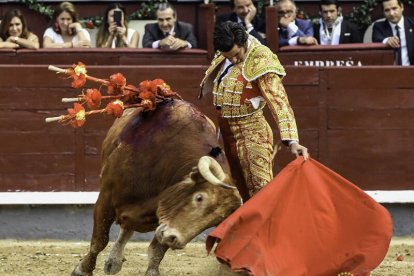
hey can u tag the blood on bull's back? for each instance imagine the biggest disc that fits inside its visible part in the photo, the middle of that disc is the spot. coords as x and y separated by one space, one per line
145 152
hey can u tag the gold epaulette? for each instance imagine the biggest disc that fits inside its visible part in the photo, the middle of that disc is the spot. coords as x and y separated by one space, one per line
261 60
217 60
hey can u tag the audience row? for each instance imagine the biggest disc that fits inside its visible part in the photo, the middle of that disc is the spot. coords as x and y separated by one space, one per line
66 31
168 33
395 30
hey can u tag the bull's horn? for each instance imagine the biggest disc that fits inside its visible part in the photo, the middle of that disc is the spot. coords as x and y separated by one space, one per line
211 170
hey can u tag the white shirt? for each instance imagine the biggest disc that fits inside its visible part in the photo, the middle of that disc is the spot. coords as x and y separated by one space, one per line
156 44
292 29
405 61
57 38
332 38
129 37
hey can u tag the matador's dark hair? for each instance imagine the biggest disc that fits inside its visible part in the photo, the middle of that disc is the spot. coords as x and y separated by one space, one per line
330 2
227 34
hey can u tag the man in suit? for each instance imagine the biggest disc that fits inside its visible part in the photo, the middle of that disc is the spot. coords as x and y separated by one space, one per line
332 29
168 33
396 32
245 12
293 31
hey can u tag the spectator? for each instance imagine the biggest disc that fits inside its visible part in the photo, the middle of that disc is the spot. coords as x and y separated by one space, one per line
292 30
66 30
396 31
168 33
245 12
332 29
14 32
111 35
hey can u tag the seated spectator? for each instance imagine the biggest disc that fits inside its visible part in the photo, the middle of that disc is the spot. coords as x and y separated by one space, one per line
168 33
114 34
396 32
66 30
244 12
332 29
292 30
14 32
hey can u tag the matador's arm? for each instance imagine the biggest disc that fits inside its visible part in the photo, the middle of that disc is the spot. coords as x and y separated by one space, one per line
274 93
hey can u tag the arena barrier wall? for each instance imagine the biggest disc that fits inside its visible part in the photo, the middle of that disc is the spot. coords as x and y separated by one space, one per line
357 121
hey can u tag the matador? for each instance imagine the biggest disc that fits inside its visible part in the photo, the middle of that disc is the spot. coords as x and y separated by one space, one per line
243 81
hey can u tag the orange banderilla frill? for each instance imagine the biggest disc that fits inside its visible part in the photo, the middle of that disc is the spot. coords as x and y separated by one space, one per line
120 94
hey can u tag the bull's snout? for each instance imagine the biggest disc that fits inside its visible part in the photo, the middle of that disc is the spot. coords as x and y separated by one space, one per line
169 236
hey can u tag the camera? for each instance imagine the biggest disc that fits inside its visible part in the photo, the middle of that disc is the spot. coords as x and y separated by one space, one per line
118 17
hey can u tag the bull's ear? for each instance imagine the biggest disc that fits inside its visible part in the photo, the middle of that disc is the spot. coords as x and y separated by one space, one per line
195 175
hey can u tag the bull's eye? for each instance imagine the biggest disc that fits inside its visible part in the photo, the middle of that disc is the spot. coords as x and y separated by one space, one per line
199 198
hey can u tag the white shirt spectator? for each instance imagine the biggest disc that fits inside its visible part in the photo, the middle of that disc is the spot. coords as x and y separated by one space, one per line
57 38
129 37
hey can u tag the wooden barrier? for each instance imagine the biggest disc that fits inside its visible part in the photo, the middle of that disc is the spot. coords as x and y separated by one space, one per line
205 24
340 55
35 156
358 121
100 56
357 54
368 125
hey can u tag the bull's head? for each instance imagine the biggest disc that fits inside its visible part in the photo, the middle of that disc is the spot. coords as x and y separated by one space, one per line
202 200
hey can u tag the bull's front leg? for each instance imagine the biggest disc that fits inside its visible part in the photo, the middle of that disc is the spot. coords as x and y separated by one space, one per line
115 260
104 215
156 252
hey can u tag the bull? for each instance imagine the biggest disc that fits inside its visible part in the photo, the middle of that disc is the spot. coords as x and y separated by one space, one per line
162 171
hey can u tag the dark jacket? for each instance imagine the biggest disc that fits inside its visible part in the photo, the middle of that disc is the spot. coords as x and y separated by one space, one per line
350 33
182 31
382 30
305 29
258 24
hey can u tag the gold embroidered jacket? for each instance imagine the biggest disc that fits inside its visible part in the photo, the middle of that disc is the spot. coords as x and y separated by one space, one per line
258 75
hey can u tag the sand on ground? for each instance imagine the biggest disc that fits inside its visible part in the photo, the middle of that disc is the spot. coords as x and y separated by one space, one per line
55 258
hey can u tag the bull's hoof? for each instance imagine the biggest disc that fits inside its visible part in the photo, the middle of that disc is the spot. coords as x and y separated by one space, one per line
152 272
113 265
78 272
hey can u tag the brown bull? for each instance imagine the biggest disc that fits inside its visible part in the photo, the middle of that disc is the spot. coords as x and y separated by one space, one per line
156 176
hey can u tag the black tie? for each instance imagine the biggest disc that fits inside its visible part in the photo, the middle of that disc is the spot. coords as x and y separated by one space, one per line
398 52
224 73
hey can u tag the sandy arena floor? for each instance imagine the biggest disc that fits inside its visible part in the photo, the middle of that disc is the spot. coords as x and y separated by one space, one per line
56 258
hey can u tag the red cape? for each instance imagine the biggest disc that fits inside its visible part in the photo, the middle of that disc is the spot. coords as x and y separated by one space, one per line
307 221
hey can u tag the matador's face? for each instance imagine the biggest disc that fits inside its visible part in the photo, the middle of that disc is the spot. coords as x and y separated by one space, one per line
236 55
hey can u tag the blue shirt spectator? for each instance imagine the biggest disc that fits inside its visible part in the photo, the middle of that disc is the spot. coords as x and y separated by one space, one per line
292 30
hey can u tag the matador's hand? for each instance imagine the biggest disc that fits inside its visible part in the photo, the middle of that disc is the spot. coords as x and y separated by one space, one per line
298 149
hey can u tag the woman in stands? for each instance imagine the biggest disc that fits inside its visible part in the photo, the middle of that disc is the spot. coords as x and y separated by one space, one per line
14 32
114 31
66 31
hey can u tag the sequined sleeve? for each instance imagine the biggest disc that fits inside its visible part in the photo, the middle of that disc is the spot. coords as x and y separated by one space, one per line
274 93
